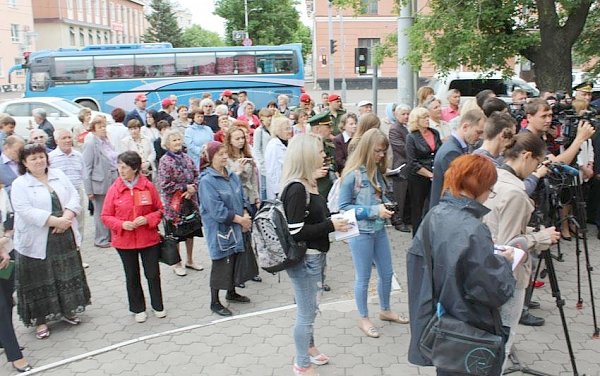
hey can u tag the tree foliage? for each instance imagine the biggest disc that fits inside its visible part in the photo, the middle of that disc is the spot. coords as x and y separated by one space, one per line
587 47
162 24
269 22
196 36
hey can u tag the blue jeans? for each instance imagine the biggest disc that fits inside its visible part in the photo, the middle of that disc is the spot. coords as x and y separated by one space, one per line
306 279
366 249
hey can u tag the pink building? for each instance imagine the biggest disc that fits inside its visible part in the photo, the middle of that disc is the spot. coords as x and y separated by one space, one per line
16 37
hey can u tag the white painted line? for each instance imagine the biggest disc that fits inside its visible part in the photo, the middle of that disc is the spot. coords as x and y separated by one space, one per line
166 333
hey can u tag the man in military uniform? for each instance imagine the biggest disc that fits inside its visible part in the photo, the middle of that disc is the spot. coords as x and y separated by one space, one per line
334 112
321 126
583 92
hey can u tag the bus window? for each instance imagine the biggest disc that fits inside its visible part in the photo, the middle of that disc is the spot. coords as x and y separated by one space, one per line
275 62
226 63
78 68
154 65
113 66
246 63
195 63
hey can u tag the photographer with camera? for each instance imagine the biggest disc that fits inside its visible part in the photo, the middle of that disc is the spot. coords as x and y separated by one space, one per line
511 210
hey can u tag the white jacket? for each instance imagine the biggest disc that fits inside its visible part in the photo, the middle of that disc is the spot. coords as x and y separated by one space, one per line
261 140
33 206
274 156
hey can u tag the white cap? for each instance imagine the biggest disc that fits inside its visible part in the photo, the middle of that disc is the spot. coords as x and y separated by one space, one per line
364 103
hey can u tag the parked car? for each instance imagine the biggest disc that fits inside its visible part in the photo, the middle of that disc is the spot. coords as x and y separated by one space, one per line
62 113
471 83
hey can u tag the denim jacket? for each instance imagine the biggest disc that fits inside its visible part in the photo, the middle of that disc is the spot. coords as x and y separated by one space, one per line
221 199
365 202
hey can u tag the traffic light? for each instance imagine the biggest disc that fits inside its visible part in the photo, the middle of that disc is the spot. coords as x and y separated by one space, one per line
360 59
323 59
332 46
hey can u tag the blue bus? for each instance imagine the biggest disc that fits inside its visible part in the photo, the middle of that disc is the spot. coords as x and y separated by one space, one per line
103 77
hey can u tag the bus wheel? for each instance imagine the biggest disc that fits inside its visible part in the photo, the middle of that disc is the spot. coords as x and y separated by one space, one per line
89 104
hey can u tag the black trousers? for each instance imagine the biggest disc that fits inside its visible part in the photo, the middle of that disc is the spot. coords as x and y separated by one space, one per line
419 189
8 339
131 265
400 186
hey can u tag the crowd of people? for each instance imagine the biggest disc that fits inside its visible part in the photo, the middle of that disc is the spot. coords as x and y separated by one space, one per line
203 170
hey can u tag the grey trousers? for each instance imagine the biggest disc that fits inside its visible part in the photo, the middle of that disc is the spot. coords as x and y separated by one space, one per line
102 236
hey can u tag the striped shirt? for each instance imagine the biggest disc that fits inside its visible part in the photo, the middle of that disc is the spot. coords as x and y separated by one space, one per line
71 164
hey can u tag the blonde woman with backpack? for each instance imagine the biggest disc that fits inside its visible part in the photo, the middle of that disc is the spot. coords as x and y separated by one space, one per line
311 224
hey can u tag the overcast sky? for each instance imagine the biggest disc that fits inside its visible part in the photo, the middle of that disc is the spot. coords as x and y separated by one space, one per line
202 14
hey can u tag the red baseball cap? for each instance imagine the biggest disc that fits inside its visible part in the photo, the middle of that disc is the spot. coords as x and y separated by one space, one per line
166 102
227 93
140 98
333 98
305 98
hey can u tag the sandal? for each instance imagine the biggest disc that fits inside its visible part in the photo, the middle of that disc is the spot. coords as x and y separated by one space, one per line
394 317
42 333
319 359
25 368
194 266
74 320
370 332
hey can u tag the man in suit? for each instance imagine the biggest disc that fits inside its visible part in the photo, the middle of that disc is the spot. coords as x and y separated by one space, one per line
397 136
139 112
468 132
9 160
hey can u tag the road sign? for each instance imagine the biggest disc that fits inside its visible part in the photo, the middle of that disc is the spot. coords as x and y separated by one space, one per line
238 35
247 42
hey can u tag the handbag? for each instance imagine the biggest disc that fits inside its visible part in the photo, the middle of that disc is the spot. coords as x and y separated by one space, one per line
169 250
188 221
245 267
453 345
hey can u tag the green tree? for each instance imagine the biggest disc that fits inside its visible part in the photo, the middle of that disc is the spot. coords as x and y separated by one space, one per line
162 24
303 35
269 22
486 34
196 36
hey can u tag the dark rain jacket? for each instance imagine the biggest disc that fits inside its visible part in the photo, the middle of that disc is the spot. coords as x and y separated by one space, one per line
470 281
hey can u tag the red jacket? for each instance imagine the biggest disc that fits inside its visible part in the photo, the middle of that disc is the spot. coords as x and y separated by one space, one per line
123 204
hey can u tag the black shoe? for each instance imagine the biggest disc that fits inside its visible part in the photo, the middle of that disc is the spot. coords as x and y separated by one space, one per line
326 287
241 285
26 368
528 319
402 228
533 305
257 278
567 238
237 298
220 310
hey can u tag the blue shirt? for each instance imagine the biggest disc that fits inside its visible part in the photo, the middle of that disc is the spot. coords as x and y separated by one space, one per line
196 136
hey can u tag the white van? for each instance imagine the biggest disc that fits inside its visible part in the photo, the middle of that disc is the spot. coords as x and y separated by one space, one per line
471 83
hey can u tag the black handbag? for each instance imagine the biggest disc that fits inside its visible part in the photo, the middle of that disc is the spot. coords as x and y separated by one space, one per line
245 267
453 345
189 220
169 250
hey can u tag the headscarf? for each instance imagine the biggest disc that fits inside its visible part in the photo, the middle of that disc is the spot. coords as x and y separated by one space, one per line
208 152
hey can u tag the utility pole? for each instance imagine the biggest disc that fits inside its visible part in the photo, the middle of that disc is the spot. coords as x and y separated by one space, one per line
329 53
406 77
343 38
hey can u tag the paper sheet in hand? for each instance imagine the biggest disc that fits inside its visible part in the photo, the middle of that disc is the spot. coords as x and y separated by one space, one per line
518 255
350 215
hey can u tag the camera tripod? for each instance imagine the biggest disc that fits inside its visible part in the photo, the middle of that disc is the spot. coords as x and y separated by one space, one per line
549 209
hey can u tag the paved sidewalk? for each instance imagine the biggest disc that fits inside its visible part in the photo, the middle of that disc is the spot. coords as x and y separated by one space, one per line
258 340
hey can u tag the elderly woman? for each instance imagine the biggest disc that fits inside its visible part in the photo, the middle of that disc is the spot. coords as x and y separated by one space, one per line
38 136
470 281
133 212
421 145
225 217
434 106
8 338
51 283
249 117
281 132
39 117
178 183
100 170
81 130
210 118
182 121
141 144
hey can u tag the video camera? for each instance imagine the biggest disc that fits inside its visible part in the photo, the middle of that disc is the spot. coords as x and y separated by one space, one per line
569 121
517 111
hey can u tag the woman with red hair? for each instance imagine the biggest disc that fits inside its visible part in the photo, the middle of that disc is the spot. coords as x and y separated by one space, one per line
469 280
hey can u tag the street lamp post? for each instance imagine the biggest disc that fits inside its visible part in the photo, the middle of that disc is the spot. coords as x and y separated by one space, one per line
246 17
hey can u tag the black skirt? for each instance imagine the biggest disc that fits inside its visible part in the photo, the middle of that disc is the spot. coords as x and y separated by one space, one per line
169 228
221 273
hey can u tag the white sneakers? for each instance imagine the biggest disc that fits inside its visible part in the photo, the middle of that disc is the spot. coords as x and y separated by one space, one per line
142 316
179 270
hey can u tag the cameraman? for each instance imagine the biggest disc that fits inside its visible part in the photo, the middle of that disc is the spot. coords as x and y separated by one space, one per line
539 117
510 211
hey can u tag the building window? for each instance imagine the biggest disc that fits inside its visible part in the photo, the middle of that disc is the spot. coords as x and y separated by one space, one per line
72 36
369 6
368 43
15 35
12 3
81 37
106 38
19 61
90 36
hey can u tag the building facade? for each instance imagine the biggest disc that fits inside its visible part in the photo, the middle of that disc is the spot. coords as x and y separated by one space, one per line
16 37
352 31
76 23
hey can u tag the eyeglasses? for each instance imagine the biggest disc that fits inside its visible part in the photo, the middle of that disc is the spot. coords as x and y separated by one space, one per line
492 193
